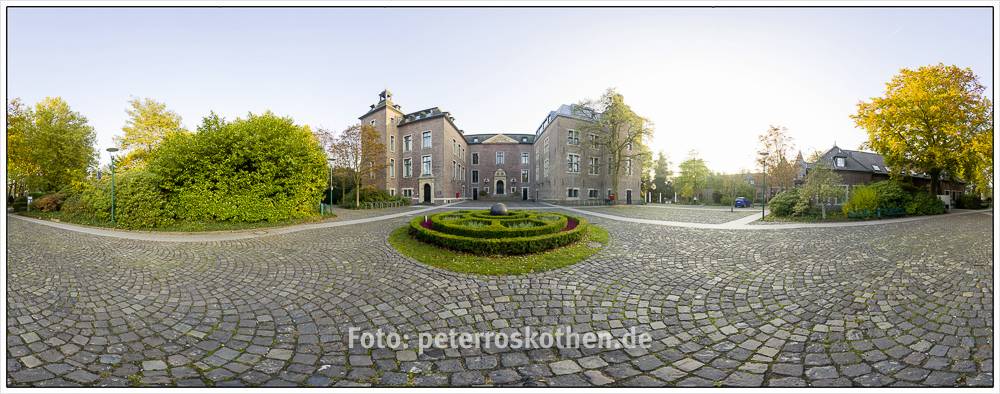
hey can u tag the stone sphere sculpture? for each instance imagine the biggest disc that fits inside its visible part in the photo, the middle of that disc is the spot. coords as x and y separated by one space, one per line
498 209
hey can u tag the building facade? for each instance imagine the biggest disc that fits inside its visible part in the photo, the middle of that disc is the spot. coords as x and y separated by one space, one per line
861 168
430 160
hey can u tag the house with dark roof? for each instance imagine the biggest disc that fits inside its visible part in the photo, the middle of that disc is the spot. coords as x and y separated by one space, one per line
861 168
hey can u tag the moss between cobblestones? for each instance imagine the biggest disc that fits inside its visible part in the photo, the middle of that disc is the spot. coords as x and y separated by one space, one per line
498 265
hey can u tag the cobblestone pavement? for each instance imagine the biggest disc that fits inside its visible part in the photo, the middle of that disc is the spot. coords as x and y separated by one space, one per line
888 305
353 214
690 215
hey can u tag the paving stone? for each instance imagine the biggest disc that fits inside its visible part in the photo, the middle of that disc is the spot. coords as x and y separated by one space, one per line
816 373
154 365
564 367
723 311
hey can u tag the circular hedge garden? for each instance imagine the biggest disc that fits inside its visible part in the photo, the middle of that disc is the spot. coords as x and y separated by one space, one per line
479 232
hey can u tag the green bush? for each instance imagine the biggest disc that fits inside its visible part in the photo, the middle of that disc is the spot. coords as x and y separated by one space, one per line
262 168
969 201
19 204
803 207
480 224
863 201
371 194
139 201
925 204
497 246
783 203
891 194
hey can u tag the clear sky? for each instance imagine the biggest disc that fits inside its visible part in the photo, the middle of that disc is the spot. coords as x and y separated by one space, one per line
711 79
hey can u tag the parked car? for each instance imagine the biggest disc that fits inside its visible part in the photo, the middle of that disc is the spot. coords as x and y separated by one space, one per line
742 202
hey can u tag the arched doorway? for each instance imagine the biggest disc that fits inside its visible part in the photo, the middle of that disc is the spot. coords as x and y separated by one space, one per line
427 192
499 175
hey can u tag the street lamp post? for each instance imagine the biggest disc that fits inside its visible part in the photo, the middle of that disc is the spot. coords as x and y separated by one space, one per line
763 192
331 182
111 152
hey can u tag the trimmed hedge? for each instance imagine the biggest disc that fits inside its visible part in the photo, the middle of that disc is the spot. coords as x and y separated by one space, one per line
498 227
498 246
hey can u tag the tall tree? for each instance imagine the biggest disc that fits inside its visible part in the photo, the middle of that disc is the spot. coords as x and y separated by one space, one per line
821 184
360 150
149 122
693 176
662 173
52 146
19 164
621 133
929 120
777 145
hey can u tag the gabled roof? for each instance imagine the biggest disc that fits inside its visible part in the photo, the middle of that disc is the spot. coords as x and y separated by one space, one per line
854 161
474 139
861 161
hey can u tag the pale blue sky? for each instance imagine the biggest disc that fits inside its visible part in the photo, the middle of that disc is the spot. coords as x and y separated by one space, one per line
710 79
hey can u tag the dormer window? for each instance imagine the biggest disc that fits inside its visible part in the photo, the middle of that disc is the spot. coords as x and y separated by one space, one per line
875 167
475 139
840 162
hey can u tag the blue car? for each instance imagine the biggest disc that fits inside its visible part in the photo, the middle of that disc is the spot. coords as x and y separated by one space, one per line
742 202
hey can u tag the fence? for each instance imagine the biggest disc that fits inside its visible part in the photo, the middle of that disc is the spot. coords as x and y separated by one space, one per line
380 204
593 202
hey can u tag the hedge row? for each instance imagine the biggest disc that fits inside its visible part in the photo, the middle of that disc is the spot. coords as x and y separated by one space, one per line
498 226
498 246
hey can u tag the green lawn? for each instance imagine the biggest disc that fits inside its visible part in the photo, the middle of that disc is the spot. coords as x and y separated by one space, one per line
498 265
176 226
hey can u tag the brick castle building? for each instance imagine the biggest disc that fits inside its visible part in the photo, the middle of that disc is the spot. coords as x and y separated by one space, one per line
430 160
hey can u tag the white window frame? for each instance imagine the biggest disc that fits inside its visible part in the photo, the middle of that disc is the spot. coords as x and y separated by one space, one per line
525 158
392 191
572 167
572 137
392 168
525 176
454 170
407 167
426 139
595 166
840 162
593 194
475 176
429 166
408 143
499 158
407 191
475 158
392 143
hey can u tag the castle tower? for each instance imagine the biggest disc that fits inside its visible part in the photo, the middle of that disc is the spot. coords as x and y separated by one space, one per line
384 116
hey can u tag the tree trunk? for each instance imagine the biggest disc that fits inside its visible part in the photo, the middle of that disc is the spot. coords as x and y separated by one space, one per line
935 181
357 192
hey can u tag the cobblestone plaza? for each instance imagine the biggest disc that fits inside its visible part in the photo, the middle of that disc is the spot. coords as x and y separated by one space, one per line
889 304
